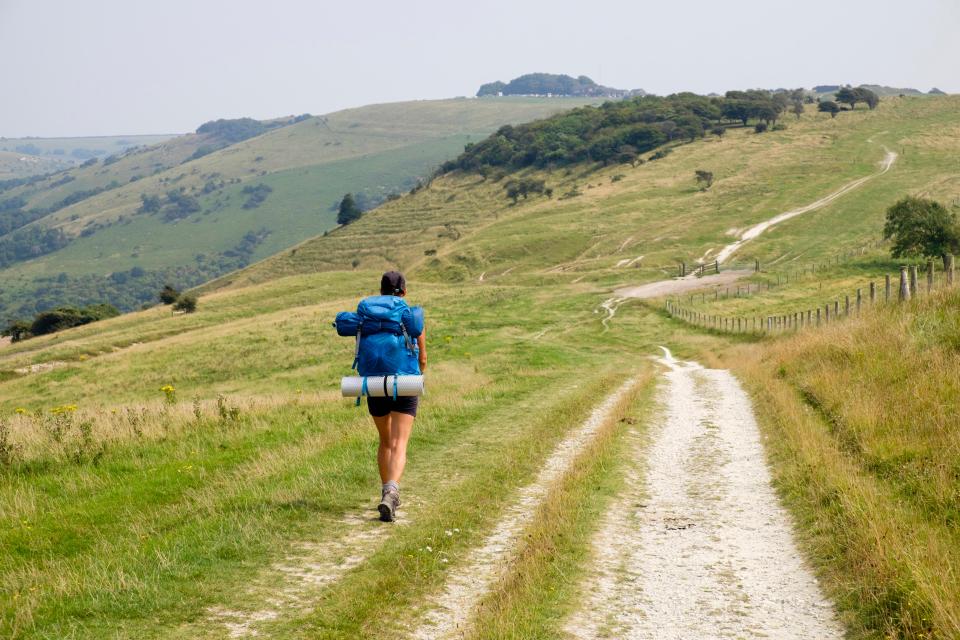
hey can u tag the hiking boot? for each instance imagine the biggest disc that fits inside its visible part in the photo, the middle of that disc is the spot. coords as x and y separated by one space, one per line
388 506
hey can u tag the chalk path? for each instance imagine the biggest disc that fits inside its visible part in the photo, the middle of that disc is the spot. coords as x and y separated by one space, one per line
753 232
450 612
698 546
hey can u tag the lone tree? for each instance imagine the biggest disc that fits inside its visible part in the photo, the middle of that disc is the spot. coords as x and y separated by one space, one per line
17 331
921 227
186 303
850 96
168 295
704 179
797 108
719 131
847 95
829 106
349 211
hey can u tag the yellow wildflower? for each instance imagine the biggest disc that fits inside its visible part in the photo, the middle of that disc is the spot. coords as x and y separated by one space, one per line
20 411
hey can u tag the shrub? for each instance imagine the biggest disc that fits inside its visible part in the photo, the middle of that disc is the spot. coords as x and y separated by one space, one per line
65 317
348 211
17 330
523 187
829 106
186 303
660 154
921 227
256 194
168 295
778 127
760 127
704 179
149 204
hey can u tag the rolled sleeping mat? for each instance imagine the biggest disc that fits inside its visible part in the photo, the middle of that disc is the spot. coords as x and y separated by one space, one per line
381 386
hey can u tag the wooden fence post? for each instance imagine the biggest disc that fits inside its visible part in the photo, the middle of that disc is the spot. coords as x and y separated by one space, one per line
716 265
836 309
948 267
846 306
826 313
929 276
859 300
873 293
913 279
756 266
904 285
818 316
886 291
683 269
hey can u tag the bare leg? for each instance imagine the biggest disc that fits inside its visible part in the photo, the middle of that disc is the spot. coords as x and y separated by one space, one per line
383 451
401 425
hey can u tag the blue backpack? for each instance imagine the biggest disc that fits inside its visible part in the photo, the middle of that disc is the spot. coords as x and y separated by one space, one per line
386 329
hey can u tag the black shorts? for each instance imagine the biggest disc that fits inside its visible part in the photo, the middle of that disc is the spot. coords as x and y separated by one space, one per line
380 407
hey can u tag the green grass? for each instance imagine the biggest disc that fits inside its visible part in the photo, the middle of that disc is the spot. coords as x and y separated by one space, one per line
201 491
106 145
138 523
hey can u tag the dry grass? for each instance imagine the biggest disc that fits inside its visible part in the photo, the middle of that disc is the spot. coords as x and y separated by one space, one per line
863 424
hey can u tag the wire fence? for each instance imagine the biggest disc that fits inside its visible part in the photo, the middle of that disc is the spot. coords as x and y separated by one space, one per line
911 284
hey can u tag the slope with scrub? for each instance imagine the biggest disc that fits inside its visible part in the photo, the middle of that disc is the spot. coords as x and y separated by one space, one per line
304 164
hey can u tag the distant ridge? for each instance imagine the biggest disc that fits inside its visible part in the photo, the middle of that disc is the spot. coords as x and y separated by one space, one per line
879 89
550 84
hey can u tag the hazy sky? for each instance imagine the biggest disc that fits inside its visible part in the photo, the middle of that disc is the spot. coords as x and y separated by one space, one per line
98 67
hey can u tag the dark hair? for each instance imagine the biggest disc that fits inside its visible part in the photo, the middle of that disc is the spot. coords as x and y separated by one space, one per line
393 283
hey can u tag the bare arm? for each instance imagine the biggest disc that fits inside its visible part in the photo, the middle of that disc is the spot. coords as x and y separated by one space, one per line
422 344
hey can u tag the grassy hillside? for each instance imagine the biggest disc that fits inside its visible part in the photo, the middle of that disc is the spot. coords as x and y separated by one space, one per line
76 149
656 210
374 151
19 165
133 512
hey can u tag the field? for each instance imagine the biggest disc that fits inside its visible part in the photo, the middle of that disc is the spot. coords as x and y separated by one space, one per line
19 165
373 151
77 149
242 500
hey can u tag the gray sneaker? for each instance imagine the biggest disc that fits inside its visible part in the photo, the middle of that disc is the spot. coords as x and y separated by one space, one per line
388 506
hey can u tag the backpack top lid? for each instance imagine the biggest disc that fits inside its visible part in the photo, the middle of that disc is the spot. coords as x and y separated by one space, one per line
391 311
382 307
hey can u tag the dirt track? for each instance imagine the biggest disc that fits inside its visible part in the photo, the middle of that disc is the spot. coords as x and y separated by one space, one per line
754 231
450 612
698 545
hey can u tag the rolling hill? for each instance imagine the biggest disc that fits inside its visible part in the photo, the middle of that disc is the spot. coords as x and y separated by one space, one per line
97 241
238 500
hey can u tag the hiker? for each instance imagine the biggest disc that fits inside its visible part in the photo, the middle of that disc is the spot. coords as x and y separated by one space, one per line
390 342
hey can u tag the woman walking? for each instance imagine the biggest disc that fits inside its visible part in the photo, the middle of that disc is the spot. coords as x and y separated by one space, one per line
390 341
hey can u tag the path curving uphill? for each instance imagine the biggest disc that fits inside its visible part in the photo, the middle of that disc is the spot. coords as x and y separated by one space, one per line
752 232
698 545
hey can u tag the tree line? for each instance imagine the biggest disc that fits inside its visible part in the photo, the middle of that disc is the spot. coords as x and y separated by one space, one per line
618 131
